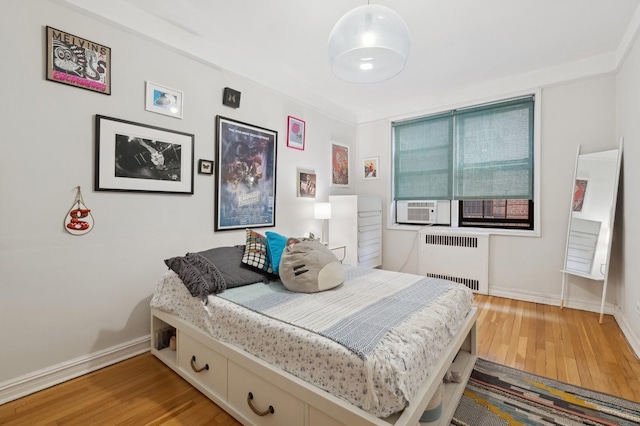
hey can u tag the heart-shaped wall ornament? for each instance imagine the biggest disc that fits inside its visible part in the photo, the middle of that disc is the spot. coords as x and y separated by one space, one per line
78 220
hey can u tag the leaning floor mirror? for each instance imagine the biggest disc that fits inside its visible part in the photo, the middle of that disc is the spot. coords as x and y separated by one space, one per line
591 218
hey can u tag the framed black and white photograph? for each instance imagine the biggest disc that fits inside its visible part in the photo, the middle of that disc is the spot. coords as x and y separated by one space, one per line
163 100
306 183
137 157
205 167
245 174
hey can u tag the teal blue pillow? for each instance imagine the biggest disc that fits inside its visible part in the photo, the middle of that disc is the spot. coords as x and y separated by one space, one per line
275 246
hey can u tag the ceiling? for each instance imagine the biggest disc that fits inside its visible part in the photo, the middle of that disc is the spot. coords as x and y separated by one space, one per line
457 46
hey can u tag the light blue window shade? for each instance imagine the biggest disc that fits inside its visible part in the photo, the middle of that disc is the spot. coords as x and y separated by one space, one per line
494 151
423 158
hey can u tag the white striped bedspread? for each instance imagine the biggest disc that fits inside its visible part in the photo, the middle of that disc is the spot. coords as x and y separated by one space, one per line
380 373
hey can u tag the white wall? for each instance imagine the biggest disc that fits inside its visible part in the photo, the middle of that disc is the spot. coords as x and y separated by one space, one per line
628 244
528 268
66 297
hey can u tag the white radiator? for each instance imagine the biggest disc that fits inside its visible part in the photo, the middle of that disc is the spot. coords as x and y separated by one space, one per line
463 258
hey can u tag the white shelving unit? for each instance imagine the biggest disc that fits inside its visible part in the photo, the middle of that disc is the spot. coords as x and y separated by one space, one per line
356 223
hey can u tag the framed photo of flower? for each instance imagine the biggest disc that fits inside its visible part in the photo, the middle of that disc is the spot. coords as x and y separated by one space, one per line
295 133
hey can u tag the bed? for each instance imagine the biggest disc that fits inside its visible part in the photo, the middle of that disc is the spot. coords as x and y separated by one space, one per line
274 357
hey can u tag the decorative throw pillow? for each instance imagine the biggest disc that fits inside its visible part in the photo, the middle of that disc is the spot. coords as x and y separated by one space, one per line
275 245
255 252
310 267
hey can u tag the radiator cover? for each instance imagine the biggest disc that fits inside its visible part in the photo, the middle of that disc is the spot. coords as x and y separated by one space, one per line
463 258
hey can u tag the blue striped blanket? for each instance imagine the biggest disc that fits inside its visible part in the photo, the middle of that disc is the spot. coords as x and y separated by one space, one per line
357 314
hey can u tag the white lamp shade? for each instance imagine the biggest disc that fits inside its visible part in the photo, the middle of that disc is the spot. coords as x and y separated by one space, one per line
369 44
322 210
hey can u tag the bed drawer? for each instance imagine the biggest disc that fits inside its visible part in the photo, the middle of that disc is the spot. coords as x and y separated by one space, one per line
204 365
287 410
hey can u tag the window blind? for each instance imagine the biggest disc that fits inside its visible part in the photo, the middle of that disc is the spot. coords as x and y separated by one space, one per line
494 151
423 158
483 152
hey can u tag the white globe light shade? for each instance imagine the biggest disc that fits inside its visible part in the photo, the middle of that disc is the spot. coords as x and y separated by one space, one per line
369 44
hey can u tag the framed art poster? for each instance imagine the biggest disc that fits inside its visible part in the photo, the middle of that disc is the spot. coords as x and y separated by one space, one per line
295 133
163 100
339 164
138 157
245 175
579 191
370 168
306 183
78 62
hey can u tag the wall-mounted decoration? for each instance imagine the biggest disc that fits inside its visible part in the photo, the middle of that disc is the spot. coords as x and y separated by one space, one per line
339 165
295 133
163 100
138 157
78 220
306 183
231 98
205 167
245 174
579 191
78 62
370 168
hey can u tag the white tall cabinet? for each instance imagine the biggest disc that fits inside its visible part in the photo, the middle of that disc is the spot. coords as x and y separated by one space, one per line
356 223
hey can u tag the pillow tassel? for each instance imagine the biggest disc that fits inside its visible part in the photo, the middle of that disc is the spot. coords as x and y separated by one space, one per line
208 268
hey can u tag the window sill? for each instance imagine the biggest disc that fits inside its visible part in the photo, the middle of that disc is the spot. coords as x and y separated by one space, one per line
466 230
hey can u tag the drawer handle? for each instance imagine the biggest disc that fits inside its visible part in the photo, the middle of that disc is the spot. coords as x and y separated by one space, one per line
195 368
269 410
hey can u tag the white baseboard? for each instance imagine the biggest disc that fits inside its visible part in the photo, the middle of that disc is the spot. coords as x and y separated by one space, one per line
29 383
634 341
547 299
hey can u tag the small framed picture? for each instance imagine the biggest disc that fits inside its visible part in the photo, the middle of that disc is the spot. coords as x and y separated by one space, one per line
205 167
163 100
306 183
370 168
579 191
339 165
295 133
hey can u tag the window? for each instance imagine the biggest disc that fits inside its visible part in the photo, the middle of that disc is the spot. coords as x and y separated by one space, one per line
481 157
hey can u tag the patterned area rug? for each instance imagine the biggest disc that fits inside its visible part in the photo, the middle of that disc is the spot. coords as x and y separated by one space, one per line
499 395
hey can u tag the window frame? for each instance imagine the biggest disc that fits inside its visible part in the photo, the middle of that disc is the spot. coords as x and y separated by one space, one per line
454 227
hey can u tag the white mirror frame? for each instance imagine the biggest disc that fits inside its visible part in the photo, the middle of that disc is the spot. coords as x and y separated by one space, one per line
590 227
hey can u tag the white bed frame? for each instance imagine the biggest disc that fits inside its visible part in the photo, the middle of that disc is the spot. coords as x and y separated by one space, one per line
258 393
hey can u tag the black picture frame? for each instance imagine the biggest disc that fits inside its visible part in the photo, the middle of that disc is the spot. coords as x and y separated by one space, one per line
205 167
142 158
231 97
78 62
246 157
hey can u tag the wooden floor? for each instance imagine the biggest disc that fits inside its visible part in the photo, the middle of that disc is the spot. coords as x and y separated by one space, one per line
566 345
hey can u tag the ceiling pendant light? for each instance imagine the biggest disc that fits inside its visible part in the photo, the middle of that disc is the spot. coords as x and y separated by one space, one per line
369 44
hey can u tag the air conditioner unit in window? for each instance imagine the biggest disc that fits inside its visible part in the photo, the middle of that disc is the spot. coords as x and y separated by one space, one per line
423 212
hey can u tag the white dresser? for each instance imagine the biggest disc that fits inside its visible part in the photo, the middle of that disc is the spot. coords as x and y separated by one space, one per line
356 223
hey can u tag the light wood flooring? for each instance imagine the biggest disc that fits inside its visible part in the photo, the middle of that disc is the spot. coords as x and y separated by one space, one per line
566 345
